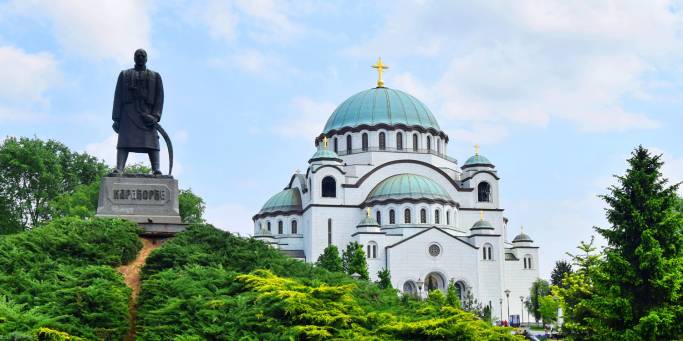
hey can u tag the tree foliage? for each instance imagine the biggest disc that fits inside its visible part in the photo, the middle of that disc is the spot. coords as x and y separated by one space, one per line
548 307
562 267
539 288
33 172
207 284
384 281
191 207
330 260
58 281
353 260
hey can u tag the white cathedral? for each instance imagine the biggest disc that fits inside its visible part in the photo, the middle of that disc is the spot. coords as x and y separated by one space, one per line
381 177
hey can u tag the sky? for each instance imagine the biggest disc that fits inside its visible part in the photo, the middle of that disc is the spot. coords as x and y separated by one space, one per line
557 93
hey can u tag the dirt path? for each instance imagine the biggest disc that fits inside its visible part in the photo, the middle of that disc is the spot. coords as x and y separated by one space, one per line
131 275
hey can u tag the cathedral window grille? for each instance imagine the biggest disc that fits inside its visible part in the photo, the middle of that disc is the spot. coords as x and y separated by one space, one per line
382 141
379 217
487 252
429 143
279 227
364 140
423 216
294 227
437 217
269 226
392 217
415 139
406 216
329 187
484 191
434 250
399 141
334 143
349 146
329 232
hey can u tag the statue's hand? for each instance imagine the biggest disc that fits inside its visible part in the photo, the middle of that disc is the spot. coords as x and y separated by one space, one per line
115 126
149 120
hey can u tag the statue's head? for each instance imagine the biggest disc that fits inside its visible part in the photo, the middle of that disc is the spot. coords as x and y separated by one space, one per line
140 57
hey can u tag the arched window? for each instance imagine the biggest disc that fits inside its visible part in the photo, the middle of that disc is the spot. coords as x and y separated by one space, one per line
487 252
438 146
392 217
382 141
269 226
415 138
484 190
527 262
379 218
334 144
280 229
349 146
423 216
409 288
294 227
448 217
437 217
399 141
329 186
372 250
365 142
429 143
406 216
329 232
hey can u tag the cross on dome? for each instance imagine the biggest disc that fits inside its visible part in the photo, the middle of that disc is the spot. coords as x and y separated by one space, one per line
325 141
380 69
481 215
369 211
476 149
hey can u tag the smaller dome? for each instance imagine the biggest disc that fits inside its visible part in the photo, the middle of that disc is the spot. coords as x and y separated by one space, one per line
477 160
368 221
323 154
408 186
287 200
482 225
522 238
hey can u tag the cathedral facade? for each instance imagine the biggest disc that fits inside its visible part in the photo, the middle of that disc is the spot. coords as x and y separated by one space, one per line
381 177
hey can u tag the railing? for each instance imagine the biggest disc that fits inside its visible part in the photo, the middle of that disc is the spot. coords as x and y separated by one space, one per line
343 152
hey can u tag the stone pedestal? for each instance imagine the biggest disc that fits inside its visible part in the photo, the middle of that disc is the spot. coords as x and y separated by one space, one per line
150 201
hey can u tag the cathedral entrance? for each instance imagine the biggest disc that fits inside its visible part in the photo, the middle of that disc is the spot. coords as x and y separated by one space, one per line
434 281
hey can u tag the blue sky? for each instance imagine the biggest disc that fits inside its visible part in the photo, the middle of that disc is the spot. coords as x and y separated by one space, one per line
556 93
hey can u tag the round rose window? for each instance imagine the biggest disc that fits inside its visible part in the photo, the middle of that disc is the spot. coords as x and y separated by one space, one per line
434 250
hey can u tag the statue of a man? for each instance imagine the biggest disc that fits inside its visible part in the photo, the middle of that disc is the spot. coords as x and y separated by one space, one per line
138 102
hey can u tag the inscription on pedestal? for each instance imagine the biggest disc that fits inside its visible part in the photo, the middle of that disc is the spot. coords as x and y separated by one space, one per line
140 199
137 194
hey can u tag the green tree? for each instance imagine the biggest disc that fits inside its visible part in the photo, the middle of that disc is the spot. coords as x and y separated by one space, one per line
82 202
453 295
353 260
640 294
562 267
330 259
191 207
539 288
384 279
548 307
33 172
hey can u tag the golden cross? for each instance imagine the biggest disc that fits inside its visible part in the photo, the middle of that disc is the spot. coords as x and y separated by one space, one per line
380 68
325 142
476 149
369 212
522 228
481 215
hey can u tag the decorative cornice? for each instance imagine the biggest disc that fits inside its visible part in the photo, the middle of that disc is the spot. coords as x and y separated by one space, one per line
326 166
477 165
494 175
381 126
429 229
409 200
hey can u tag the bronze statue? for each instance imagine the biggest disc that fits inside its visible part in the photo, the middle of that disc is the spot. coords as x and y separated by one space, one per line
138 102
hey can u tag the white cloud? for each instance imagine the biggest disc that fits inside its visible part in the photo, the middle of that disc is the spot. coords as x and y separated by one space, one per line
306 120
231 217
106 150
108 29
527 63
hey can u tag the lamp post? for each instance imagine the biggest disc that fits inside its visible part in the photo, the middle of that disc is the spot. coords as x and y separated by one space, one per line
355 275
507 294
420 283
500 300
521 316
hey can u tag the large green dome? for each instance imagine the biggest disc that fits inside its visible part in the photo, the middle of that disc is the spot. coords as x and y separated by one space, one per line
408 186
381 106
287 200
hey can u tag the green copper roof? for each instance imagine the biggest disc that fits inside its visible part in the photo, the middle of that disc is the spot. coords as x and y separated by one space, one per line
287 200
381 105
522 237
368 222
482 225
477 160
323 153
408 186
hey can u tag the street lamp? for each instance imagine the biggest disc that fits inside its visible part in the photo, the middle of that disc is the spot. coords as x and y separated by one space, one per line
521 316
507 294
419 282
355 275
500 300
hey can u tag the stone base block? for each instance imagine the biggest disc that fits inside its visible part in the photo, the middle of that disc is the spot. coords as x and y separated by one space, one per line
144 199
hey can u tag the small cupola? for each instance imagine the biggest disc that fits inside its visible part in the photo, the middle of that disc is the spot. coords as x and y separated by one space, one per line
368 223
522 239
324 155
477 160
482 226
